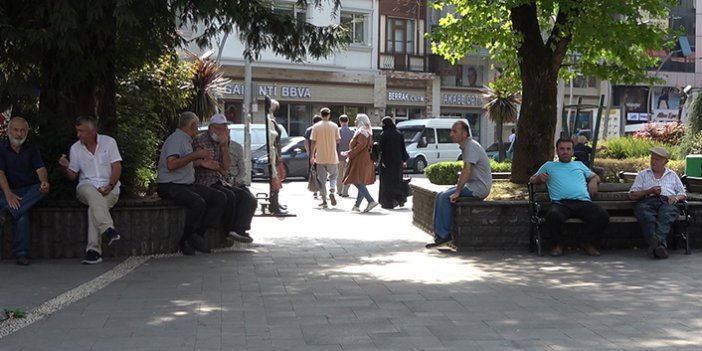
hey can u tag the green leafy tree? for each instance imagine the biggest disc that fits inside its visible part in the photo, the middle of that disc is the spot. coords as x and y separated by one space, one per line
536 41
67 57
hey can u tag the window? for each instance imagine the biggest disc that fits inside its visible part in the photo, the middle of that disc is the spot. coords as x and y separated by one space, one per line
444 136
294 117
429 135
350 111
290 9
358 25
399 36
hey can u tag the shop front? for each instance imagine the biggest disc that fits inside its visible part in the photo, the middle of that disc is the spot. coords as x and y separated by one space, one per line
299 102
404 104
465 104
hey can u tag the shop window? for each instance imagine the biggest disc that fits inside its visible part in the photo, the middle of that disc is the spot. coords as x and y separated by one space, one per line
294 117
350 111
358 25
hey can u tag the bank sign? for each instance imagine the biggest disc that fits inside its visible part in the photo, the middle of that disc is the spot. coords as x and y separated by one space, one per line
462 100
276 91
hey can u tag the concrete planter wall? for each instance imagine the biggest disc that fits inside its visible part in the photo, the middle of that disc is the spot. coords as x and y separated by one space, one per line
147 226
504 225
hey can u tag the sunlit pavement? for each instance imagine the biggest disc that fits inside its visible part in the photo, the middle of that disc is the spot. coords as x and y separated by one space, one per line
329 279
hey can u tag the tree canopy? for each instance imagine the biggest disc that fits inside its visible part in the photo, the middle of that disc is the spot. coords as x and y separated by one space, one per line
538 41
64 58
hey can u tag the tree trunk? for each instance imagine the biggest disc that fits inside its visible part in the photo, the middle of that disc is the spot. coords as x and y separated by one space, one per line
500 147
537 122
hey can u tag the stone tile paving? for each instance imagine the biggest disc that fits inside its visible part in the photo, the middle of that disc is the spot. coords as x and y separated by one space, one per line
332 280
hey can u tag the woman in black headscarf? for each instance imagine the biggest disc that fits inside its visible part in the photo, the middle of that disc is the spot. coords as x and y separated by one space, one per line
393 156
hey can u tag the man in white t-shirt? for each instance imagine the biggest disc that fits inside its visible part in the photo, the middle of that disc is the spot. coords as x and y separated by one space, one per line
325 136
96 163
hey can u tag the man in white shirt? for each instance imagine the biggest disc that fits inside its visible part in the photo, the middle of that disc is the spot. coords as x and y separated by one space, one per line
96 163
325 137
657 189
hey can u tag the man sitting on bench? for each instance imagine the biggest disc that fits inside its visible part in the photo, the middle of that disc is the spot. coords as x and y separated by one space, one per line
657 189
570 186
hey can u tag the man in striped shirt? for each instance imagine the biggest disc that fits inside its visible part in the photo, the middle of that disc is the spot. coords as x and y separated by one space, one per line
657 189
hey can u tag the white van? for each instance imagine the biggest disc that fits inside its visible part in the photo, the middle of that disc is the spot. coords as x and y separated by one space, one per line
258 134
428 141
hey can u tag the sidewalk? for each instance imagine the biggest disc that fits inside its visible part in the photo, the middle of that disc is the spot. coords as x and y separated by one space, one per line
333 280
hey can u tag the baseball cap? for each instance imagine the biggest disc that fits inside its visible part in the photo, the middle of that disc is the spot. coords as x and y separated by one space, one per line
219 119
662 152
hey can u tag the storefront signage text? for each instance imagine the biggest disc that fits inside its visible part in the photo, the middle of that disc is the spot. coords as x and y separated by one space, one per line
462 99
402 96
271 90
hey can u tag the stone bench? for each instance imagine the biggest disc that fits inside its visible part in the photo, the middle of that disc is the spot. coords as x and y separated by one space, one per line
505 225
147 226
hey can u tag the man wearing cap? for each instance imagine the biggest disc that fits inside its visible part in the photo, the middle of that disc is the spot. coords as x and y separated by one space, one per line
176 182
657 189
237 212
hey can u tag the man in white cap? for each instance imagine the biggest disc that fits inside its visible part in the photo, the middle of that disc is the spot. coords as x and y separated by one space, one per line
238 210
657 189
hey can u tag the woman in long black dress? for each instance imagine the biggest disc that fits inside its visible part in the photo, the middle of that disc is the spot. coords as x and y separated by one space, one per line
393 156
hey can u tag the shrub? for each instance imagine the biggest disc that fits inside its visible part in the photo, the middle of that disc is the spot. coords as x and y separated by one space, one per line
691 144
628 147
666 133
446 173
147 110
612 167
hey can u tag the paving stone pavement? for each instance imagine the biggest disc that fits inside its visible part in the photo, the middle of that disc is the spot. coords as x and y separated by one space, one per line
333 280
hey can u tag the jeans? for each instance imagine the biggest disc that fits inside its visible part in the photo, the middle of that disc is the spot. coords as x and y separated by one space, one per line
443 211
594 216
204 205
656 218
30 195
363 193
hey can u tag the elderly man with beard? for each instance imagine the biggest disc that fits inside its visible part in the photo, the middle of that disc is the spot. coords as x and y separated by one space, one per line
238 212
24 181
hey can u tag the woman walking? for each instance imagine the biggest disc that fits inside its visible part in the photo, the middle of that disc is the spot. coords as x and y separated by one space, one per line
361 170
393 156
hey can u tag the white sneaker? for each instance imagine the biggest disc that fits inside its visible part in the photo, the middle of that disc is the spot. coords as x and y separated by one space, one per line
355 209
371 206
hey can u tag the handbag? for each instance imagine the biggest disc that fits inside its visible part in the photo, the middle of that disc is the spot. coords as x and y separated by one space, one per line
375 152
405 186
312 180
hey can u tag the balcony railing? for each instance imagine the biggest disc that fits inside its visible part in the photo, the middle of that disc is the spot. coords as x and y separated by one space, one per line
402 62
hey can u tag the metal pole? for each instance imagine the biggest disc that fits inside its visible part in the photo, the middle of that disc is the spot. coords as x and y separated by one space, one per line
247 114
597 130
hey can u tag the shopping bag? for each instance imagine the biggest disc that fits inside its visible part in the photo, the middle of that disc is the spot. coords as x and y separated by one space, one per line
313 183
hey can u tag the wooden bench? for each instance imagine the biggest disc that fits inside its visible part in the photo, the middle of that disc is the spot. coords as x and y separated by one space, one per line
612 197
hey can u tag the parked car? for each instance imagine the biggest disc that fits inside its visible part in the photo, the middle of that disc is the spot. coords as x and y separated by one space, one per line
493 153
294 157
258 134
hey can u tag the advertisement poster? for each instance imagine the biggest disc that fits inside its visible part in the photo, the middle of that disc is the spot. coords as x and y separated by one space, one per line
665 104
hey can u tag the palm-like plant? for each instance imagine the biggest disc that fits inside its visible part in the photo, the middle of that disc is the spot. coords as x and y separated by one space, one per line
208 83
502 107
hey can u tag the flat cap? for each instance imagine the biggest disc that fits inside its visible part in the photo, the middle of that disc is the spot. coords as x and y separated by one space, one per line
660 151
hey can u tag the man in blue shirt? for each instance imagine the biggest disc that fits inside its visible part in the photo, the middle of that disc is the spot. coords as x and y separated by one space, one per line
24 181
570 186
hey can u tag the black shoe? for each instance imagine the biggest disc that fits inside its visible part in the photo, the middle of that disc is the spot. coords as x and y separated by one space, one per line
332 199
187 248
22 261
199 244
438 242
92 257
242 238
660 252
111 235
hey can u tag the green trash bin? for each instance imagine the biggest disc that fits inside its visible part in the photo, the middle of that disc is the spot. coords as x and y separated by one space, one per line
693 165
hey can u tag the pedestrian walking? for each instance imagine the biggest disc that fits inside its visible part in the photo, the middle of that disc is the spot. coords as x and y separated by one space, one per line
361 169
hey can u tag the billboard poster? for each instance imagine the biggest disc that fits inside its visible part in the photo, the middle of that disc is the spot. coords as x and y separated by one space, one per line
665 103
